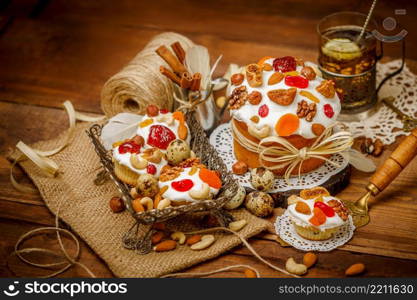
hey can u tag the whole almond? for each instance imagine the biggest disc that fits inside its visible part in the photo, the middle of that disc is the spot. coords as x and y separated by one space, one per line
137 206
138 140
117 205
267 67
317 129
240 167
237 79
308 72
157 237
167 245
193 239
309 259
249 273
355 269
275 78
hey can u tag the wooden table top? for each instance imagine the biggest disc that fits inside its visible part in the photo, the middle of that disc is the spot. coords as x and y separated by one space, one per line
51 51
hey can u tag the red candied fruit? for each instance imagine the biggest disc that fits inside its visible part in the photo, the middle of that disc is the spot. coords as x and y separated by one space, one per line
151 169
160 136
284 64
182 185
328 211
263 111
163 111
296 81
328 110
129 147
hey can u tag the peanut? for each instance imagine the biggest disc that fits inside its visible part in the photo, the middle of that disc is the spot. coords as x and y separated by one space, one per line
237 225
355 269
309 259
167 245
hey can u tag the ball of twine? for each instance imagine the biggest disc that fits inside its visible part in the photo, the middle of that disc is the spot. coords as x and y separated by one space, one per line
140 82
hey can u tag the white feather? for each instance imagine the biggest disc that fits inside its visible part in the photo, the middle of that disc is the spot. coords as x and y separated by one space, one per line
121 126
360 161
197 59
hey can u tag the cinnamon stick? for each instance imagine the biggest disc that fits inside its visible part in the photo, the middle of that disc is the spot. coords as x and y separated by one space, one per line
170 75
186 80
195 84
179 51
171 59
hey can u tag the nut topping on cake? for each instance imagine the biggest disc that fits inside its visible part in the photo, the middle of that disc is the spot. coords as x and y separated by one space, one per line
238 97
255 98
283 96
317 129
305 110
191 162
169 173
339 208
237 79
308 72
326 88
254 75
275 78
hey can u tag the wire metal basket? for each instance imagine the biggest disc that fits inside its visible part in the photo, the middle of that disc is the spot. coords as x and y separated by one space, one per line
208 155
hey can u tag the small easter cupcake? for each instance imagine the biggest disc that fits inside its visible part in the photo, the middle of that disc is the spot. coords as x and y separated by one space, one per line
316 215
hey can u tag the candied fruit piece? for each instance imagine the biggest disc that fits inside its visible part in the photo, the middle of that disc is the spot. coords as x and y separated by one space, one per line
160 136
328 111
302 208
328 211
129 147
285 64
151 169
263 111
145 123
182 185
296 81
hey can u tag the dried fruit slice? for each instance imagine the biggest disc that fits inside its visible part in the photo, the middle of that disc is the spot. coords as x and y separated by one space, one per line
160 136
145 123
275 78
302 208
310 96
292 73
318 218
296 81
326 88
210 177
328 211
285 64
182 185
263 59
287 125
282 96
237 79
263 111
129 147
314 193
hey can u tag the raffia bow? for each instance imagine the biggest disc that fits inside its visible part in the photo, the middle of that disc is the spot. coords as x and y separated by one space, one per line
286 155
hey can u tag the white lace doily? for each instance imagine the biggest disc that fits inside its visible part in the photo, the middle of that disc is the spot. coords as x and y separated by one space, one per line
381 125
222 140
286 231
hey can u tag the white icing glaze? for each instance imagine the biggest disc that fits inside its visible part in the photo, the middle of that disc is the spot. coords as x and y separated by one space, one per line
245 112
124 159
175 195
303 220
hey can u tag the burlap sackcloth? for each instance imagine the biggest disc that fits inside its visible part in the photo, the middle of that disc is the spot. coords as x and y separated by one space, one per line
84 207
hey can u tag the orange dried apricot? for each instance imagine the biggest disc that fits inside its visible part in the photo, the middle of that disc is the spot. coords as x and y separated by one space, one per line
263 59
314 192
287 125
178 115
210 177
320 215
314 221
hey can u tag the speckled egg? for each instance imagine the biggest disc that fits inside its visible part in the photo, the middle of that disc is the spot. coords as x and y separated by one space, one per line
237 199
259 203
261 179
147 185
177 151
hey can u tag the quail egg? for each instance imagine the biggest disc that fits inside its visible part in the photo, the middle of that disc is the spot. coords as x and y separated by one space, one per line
261 179
259 203
177 151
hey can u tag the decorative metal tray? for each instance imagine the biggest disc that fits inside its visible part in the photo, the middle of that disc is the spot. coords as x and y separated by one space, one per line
208 155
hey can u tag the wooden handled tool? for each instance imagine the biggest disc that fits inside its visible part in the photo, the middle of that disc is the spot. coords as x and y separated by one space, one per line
383 176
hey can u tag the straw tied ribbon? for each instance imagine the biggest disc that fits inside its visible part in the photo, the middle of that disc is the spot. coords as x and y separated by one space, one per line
282 153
